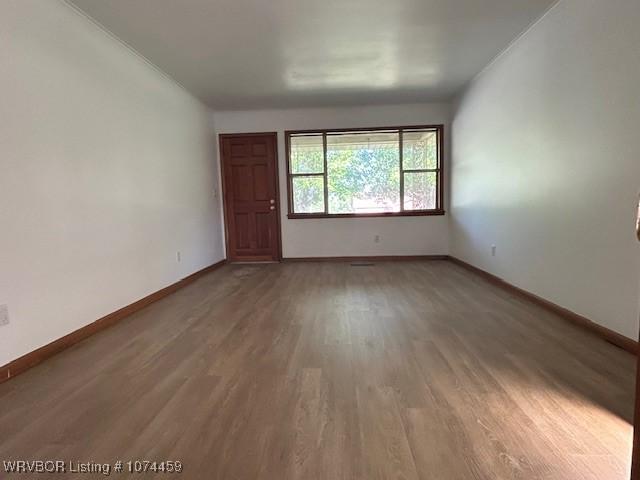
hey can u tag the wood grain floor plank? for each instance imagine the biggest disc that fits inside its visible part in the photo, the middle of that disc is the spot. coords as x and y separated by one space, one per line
323 370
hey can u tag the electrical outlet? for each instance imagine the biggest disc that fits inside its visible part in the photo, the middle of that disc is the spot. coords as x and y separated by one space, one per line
493 250
376 239
178 257
4 315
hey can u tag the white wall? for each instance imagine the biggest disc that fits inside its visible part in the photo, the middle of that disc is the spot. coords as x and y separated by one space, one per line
107 169
347 236
546 162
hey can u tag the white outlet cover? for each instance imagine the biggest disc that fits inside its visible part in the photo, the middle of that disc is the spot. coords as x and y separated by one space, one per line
4 315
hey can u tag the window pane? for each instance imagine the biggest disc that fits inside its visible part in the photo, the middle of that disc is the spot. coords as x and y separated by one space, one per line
419 150
308 194
420 191
363 171
306 154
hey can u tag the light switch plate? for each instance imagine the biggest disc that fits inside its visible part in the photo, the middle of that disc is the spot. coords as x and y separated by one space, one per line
4 315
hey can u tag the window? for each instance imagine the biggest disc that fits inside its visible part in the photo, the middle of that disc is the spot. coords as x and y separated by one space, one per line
358 172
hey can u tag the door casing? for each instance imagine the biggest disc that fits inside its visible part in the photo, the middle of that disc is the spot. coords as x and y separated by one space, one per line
635 458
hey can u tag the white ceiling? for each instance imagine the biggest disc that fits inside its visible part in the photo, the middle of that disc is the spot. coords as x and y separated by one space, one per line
241 54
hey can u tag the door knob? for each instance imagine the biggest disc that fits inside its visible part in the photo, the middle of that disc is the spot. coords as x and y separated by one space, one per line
272 207
272 201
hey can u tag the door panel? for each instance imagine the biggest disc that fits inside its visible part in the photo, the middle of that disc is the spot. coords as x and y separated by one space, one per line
263 229
260 187
241 185
242 230
250 180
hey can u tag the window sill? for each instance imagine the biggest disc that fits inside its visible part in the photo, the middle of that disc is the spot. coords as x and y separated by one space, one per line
415 213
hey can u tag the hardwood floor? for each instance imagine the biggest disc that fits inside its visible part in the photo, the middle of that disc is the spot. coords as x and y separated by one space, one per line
401 370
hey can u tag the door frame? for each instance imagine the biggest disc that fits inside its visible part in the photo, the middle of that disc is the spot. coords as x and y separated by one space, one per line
274 139
635 453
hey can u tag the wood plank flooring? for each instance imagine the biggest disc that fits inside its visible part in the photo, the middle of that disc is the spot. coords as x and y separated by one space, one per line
400 370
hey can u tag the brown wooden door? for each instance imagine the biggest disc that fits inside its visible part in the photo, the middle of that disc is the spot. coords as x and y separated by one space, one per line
250 181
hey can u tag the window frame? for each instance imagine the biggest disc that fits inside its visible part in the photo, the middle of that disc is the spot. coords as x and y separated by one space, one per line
439 210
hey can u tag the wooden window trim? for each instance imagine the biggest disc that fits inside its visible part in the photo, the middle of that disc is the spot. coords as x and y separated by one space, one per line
439 210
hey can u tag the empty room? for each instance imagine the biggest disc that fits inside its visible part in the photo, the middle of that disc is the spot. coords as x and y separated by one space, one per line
332 240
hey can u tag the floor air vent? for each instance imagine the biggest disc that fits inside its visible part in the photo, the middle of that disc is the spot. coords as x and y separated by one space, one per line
362 264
